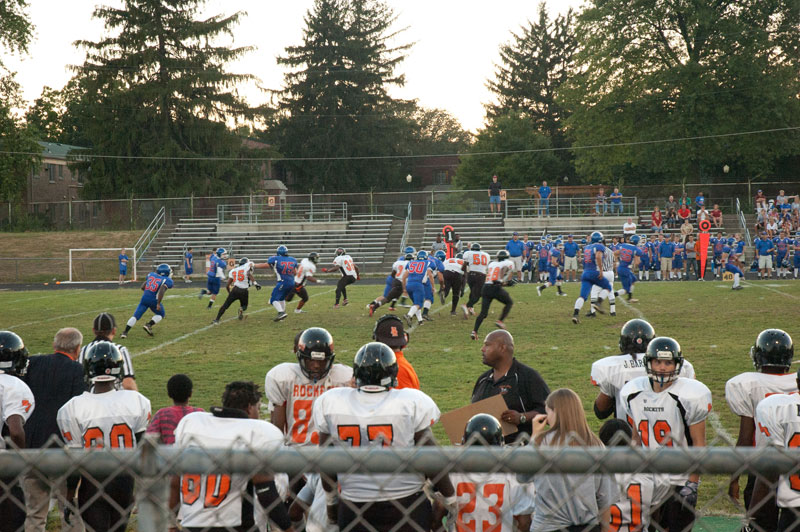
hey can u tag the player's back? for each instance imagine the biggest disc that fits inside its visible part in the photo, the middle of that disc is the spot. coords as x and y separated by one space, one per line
745 391
152 285
216 500
494 271
589 253
454 265
777 424
639 493
626 254
110 419
16 398
476 261
418 271
488 498
399 267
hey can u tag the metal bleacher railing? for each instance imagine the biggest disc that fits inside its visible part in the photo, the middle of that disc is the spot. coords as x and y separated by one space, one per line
282 212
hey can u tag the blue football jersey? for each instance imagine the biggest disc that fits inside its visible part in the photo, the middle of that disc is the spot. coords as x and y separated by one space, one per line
589 252
626 254
152 284
284 266
418 271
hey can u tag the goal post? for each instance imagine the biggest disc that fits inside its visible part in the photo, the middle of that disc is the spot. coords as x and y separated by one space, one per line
99 265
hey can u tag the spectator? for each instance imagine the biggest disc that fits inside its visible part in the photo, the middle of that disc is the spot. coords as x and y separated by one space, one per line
760 200
761 221
516 249
666 250
179 389
629 228
389 330
671 211
686 229
657 221
702 214
438 245
571 258
616 201
780 199
772 227
188 267
544 200
685 201
53 379
104 328
700 200
494 194
716 216
600 202
764 247
568 501
691 257
523 389
684 213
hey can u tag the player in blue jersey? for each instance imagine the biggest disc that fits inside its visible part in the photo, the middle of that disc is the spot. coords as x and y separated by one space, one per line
678 257
437 266
215 274
592 273
717 243
123 265
782 244
644 259
285 268
796 254
729 266
154 286
553 272
188 266
655 257
543 251
630 254
418 273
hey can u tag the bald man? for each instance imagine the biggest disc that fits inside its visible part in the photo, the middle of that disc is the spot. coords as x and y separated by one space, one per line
523 389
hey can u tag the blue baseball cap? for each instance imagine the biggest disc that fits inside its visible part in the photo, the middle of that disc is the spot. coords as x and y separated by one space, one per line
514 234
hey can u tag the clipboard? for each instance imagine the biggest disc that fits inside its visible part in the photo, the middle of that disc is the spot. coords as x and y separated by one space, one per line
455 421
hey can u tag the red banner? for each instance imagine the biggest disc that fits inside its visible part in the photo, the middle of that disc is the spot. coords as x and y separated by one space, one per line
704 226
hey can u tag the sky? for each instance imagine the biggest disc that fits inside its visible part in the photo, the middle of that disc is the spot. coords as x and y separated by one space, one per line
456 45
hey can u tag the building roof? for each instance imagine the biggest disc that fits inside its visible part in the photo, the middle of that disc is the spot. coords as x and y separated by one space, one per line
274 184
56 150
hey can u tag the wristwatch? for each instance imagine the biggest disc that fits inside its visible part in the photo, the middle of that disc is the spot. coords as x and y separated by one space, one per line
522 419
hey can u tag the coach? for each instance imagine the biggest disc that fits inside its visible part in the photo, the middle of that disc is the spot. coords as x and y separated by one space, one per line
523 389
54 379
516 248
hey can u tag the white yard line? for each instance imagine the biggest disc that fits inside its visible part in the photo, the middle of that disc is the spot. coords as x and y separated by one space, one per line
750 283
95 312
60 294
414 327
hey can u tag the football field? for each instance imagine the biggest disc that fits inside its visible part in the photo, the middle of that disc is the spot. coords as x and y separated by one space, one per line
714 325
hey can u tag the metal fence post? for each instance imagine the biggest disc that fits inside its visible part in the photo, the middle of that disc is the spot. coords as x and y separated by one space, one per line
153 489
70 211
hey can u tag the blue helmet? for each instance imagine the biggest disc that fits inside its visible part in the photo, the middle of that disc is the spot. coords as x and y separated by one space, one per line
282 250
549 237
596 237
441 255
635 240
558 243
422 254
221 253
409 256
164 270
583 241
409 249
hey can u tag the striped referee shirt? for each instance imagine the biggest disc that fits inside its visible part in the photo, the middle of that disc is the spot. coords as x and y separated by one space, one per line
608 260
127 367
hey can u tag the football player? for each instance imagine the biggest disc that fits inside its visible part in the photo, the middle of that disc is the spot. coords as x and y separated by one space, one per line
782 260
418 273
215 273
717 243
105 417
475 264
16 406
729 266
772 356
487 497
240 278
436 266
498 273
154 286
629 255
543 253
554 273
611 373
305 273
394 287
667 409
592 275
104 328
344 263
413 252
222 501
284 267
678 258
608 274
453 280
375 411
188 265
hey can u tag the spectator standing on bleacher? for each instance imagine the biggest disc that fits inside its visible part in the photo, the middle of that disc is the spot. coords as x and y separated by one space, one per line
494 194
656 220
671 211
685 200
544 199
629 228
616 201
438 245
600 202
700 200
686 229
457 244
516 248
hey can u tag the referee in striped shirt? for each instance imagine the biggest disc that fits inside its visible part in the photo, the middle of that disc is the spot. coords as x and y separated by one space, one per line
105 328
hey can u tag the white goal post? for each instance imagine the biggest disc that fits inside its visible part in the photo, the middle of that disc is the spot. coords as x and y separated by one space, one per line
105 266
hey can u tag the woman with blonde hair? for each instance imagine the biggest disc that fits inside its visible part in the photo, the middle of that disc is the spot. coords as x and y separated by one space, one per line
568 502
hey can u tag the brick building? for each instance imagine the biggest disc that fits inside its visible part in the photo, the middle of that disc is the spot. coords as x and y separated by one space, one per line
53 180
434 170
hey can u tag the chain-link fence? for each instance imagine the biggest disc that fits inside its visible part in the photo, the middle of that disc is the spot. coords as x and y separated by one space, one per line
494 486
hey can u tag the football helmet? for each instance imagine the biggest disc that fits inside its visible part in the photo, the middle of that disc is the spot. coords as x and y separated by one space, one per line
663 348
422 254
549 237
635 240
313 257
243 261
409 256
441 255
164 270
635 336
13 354
502 255
483 429
596 237
339 252
221 253
459 255
409 249
102 363
475 247
315 344
375 368
773 347
282 251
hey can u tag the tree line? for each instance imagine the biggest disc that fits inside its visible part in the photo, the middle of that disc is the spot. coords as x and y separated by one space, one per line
619 92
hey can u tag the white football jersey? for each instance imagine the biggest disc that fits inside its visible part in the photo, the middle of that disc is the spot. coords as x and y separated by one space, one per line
286 383
16 399
313 494
216 500
778 423
610 374
743 392
306 269
488 501
663 418
391 418
477 261
240 276
639 493
454 265
345 262
493 271
110 419
399 267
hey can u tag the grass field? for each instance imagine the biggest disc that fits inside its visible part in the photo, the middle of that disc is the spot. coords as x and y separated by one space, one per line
714 325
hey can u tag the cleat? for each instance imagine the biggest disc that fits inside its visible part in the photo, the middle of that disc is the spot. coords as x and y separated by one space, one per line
279 317
633 300
613 314
123 335
147 329
590 315
427 318
392 309
453 313
200 295
214 322
344 303
500 324
408 320
575 320
473 335
466 311
188 281
241 314
299 311
562 294
419 323
336 306
539 289
371 309
471 311
737 288
598 309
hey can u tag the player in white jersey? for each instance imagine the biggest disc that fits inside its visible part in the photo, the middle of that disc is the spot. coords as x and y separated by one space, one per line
376 413
453 280
105 417
240 279
611 373
311 499
105 329
772 356
224 501
293 388
16 406
305 274
608 274
666 409
475 264
394 286
487 501
344 263
639 493
498 273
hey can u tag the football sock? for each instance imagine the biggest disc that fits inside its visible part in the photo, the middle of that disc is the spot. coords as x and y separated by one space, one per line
735 280
131 323
425 311
127 328
277 305
413 310
647 275
578 305
155 319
